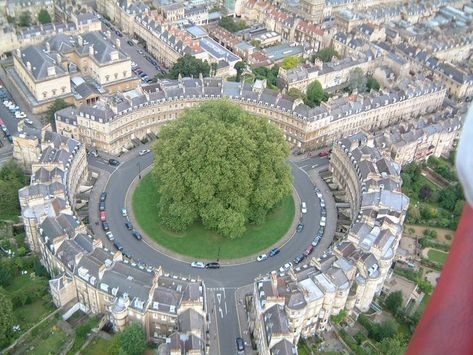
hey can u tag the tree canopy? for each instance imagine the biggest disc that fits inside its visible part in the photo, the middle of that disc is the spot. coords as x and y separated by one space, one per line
231 25
57 105
394 302
25 19
188 65
44 17
270 74
239 67
315 94
6 320
326 54
133 340
221 166
290 62
372 84
12 178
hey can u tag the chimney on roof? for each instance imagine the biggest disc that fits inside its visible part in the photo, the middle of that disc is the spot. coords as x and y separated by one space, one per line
48 47
18 52
91 50
51 71
114 55
80 40
28 66
274 279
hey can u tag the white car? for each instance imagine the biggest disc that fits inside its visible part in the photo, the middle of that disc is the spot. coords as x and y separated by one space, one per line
262 257
110 236
286 267
144 151
20 115
303 207
198 264
124 212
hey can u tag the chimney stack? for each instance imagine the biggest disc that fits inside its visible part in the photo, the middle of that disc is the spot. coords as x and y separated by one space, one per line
28 66
91 50
48 47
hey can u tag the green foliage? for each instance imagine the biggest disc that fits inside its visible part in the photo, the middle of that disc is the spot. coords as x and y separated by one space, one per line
188 65
315 94
25 19
256 43
443 168
450 196
430 233
425 192
290 62
213 69
10 19
231 25
44 17
6 320
57 105
337 319
372 84
394 302
133 340
293 92
268 74
425 286
239 67
393 346
357 80
12 179
326 54
221 166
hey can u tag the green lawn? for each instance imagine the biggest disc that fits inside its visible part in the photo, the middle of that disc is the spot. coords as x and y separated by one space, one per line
437 256
98 346
201 243
52 342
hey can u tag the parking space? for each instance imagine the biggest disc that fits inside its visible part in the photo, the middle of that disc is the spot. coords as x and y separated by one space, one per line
144 62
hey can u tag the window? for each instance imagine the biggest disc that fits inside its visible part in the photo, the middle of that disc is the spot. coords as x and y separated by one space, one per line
115 75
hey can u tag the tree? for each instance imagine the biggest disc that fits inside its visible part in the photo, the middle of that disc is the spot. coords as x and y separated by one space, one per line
231 25
268 74
6 320
189 66
326 54
357 80
221 166
44 17
57 105
293 92
315 94
213 69
372 84
12 179
393 346
425 286
290 62
414 213
133 340
25 19
425 192
239 67
386 329
394 302
340 317
448 198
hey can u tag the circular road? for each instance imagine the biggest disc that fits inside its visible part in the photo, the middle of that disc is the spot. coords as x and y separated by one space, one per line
228 275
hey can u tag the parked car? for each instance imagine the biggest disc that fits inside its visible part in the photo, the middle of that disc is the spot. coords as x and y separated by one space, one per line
212 265
124 212
262 257
110 236
140 51
103 196
316 241
300 228
129 226
303 207
198 264
127 254
105 226
308 250
103 216
137 235
274 252
102 206
118 245
240 344
113 162
130 42
285 267
299 259
323 153
144 151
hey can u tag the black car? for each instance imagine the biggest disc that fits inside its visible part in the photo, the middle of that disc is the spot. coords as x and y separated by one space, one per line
113 162
212 265
274 252
130 43
103 196
126 254
105 226
299 259
240 344
102 206
137 235
129 226
118 245
300 227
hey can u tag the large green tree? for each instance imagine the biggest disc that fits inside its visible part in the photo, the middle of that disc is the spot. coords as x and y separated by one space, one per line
133 340
189 66
57 105
290 62
221 166
231 25
6 318
239 67
12 178
315 94
25 19
44 17
326 54
394 302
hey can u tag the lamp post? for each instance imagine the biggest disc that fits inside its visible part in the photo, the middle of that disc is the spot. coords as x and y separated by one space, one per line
138 164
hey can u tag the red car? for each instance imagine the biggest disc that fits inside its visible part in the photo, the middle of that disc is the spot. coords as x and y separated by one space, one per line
323 153
103 216
308 250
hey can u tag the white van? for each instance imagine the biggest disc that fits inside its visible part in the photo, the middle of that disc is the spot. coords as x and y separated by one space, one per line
303 207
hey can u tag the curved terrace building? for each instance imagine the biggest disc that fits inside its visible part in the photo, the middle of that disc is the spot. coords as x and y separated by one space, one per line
113 122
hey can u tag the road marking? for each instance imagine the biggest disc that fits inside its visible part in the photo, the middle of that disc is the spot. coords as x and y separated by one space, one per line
226 310
303 166
219 297
221 312
314 166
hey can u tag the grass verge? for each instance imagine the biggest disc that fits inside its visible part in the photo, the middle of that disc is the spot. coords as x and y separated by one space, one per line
437 256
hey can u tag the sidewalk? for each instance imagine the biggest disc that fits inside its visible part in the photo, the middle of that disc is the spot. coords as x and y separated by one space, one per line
243 322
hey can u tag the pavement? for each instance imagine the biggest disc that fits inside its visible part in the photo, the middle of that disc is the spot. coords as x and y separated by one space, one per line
225 299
